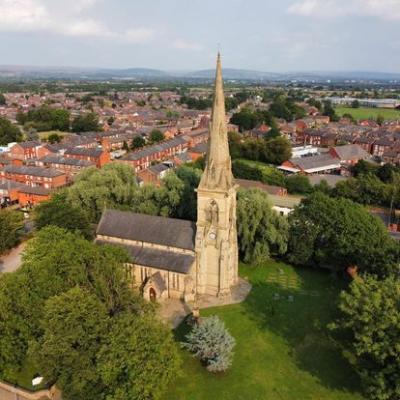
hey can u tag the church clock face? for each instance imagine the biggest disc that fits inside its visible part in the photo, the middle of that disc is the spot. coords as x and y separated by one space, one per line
212 236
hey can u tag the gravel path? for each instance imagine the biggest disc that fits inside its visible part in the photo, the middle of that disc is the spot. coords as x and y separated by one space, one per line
12 261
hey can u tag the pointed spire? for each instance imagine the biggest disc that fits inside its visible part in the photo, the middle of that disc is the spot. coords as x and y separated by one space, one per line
218 174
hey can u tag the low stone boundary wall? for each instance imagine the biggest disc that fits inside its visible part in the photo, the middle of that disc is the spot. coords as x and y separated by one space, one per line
10 392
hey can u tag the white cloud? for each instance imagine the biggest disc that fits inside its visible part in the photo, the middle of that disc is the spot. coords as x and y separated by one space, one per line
20 15
384 9
181 44
36 15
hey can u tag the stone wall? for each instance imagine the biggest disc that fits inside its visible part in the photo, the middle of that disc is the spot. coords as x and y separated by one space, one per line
10 392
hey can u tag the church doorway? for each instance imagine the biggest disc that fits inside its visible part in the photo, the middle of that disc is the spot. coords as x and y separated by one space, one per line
152 295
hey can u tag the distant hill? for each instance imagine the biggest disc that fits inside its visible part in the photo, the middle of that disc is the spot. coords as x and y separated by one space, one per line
232 73
29 72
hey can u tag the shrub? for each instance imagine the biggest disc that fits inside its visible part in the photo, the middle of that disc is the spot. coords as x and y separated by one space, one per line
212 344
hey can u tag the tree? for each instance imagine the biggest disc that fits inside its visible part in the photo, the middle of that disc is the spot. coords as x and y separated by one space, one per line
54 138
125 146
45 118
156 136
245 120
11 224
299 184
74 326
3 100
380 119
277 150
355 104
9 132
61 120
363 167
138 359
137 142
337 233
66 260
210 342
112 186
261 231
329 111
59 212
86 123
370 325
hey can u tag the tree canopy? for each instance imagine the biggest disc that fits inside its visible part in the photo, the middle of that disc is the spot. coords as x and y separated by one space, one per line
8 132
369 324
72 328
11 224
88 122
337 233
261 231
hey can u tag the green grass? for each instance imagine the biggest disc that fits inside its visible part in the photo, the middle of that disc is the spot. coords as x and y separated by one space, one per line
369 113
283 349
45 135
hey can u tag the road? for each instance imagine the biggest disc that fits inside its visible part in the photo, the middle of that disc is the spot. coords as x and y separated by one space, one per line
12 261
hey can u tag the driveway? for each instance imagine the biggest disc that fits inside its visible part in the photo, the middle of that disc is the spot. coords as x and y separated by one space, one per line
11 261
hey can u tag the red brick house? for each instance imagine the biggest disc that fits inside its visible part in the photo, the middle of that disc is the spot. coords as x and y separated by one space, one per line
144 157
30 196
99 157
28 150
47 178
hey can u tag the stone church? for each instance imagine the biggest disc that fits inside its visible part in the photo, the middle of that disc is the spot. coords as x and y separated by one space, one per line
174 258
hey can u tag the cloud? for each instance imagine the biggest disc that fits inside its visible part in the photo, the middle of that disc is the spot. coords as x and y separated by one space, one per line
37 16
182 44
383 9
20 15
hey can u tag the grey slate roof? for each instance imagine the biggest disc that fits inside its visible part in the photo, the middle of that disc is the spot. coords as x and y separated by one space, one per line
81 151
33 171
65 161
319 161
351 151
160 259
148 228
147 151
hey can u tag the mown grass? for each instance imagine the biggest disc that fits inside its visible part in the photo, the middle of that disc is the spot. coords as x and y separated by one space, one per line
368 113
283 351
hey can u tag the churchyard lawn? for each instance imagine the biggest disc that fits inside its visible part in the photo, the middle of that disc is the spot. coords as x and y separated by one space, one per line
283 349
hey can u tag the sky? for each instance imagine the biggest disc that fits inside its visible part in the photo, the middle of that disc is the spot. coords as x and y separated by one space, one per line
265 35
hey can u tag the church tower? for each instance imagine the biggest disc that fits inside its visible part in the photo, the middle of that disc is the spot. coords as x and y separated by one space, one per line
216 238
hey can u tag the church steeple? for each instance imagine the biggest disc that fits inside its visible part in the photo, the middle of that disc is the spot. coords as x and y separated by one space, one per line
218 173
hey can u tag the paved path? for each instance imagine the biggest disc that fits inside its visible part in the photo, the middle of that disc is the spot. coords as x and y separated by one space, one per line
173 311
12 261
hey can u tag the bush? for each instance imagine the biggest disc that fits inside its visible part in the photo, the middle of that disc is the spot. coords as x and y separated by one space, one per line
298 184
212 344
11 224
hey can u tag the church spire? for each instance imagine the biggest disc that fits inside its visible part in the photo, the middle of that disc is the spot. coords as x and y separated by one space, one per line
218 173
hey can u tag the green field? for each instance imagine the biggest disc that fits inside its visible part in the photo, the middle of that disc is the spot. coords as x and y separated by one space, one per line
283 348
368 113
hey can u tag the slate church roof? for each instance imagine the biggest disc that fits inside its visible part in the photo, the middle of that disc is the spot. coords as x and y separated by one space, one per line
155 258
162 231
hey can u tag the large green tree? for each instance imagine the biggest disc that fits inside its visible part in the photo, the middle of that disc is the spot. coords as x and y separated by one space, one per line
86 123
87 331
261 231
370 325
11 224
112 186
60 212
138 359
337 233
9 132
74 326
